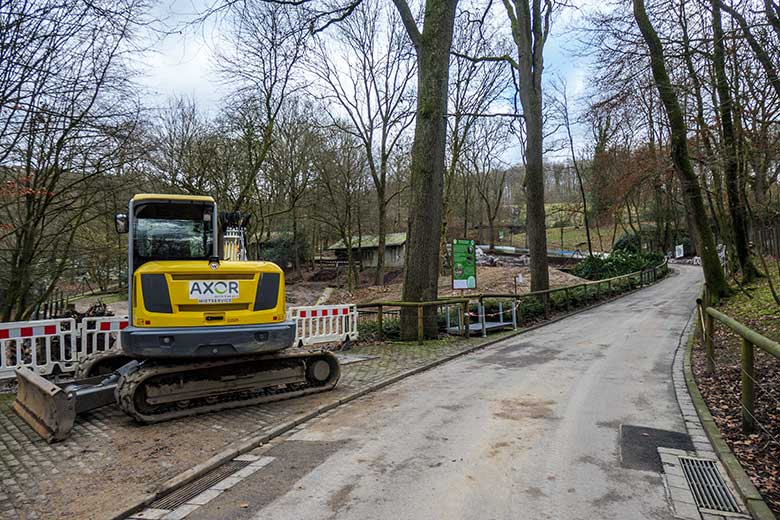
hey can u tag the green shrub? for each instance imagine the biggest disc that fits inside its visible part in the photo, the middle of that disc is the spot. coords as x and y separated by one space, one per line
282 250
618 263
628 242
368 330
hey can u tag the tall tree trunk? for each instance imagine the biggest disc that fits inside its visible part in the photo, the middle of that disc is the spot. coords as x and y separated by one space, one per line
421 276
736 205
481 231
296 266
492 229
530 26
466 192
713 272
534 185
382 239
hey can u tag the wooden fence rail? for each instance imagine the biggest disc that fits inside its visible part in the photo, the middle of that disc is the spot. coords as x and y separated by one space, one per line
592 289
750 339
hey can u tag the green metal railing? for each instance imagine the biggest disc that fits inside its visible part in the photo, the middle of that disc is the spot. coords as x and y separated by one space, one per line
750 339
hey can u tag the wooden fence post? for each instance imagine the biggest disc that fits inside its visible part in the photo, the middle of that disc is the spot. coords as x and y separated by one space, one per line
461 316
709 332
420 329
748 411
466 319
381 323
482 317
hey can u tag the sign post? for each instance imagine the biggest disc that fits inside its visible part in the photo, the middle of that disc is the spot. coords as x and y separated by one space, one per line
464 264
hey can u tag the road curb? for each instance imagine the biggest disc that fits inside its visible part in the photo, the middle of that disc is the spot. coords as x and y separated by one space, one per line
250 443
756 505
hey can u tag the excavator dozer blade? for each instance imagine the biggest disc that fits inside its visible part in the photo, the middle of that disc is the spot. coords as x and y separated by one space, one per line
47 408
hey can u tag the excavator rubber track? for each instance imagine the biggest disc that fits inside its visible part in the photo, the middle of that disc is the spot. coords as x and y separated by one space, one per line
159 391
101 363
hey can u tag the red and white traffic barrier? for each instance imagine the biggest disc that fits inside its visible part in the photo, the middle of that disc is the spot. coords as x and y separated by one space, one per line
47 346
100 334
57 345
324 323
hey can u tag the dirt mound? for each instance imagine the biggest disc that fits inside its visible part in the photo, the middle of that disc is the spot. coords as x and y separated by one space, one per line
489 280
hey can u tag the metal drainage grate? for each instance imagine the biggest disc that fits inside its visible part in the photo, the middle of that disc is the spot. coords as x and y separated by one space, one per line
186 493
707 485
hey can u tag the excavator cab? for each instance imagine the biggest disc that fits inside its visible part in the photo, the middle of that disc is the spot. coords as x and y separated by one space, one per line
185 301
204 333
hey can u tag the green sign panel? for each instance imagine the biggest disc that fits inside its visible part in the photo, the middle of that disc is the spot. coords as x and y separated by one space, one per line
464 264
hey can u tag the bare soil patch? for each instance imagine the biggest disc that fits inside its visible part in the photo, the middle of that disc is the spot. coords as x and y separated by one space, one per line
499 279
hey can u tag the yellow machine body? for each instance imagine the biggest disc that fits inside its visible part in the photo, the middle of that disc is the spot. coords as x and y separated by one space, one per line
194 308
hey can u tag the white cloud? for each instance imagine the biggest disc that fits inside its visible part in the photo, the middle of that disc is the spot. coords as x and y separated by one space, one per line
182 63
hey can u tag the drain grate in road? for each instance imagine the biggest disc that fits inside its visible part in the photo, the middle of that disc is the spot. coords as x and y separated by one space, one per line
186 493
709 489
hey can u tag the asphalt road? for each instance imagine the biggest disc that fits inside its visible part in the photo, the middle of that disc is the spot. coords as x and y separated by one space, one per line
527 429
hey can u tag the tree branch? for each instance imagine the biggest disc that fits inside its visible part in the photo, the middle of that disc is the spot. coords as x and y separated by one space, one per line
408 20
505 58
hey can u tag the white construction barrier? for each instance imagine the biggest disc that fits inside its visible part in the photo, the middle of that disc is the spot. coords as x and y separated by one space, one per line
324 324
100 334
55 346
48 346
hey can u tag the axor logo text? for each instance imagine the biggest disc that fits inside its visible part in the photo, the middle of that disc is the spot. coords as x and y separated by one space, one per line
208 291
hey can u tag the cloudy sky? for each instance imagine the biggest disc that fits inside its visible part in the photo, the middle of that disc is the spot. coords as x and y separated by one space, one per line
183 63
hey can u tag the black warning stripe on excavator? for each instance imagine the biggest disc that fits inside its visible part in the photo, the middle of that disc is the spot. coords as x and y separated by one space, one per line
134 388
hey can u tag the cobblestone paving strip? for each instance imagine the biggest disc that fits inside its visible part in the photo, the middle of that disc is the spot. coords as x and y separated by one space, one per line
109 461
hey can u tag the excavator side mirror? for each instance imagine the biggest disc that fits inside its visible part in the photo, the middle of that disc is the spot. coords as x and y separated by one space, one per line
120 222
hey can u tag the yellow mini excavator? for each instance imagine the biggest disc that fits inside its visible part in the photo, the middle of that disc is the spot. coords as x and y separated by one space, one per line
204 333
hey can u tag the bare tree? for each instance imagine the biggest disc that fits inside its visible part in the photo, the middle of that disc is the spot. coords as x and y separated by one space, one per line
267 43
475 86
71 122
530 26
341 169
291 164
731 164
485 164
762 54
432 45
371 82
713 271
561 102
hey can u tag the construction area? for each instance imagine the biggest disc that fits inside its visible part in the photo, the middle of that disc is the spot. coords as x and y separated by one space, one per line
249 356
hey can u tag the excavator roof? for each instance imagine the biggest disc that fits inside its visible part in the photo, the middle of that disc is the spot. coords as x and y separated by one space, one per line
162 196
